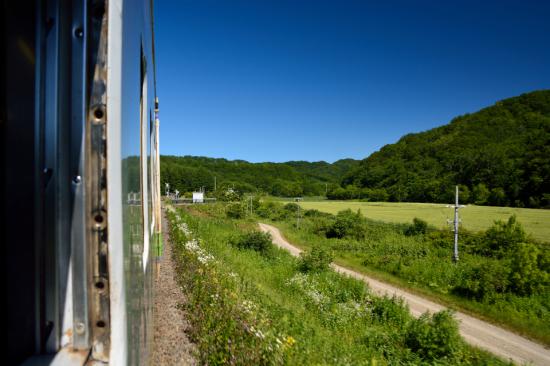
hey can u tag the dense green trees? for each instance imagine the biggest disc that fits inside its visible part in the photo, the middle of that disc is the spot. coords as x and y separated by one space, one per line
295 178
500 156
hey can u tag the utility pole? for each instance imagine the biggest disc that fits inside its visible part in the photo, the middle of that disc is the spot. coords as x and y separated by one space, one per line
214 184
455 222
326 189
251 205
298 217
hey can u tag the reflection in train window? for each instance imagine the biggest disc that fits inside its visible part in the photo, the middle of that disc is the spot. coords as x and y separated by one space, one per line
143 160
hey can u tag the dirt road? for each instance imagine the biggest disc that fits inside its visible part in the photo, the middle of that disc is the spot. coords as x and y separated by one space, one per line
502 343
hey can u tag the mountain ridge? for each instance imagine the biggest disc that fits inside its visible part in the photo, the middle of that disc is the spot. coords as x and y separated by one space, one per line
499 155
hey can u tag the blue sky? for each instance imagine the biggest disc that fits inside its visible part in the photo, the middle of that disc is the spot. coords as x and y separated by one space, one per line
325 80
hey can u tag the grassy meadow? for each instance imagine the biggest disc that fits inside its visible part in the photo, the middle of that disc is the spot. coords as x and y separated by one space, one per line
503 275
252 303
474 218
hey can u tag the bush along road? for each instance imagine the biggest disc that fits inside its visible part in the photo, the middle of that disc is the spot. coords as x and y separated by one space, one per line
498 341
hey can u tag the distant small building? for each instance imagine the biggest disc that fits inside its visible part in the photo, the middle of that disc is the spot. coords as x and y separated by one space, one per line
198 197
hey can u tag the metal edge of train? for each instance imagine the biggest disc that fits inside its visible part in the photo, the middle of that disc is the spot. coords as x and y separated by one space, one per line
85 298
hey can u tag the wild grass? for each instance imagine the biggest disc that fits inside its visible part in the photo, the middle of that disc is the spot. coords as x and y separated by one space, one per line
248 304
423 263
474 218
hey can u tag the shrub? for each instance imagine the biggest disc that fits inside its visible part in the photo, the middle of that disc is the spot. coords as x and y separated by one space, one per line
347 224
526 278
292 207
227 195
438 238
266 209
315 213
274 210
317 259
390 310
433 337
503 236
235 211
484 280
418 227
255 240
544 259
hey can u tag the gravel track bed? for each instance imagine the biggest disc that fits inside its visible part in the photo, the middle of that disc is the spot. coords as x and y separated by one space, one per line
171 345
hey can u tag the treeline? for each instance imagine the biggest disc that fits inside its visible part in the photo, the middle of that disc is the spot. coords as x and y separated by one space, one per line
296 178
499 156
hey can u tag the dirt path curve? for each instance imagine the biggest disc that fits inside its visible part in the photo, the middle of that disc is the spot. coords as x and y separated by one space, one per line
170 345
498 341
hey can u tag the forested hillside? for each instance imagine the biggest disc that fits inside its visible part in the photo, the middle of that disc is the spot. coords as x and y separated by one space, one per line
325 171
295 178
499 155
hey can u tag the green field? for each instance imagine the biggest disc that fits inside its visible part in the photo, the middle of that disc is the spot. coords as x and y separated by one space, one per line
487 281
474 218
251 303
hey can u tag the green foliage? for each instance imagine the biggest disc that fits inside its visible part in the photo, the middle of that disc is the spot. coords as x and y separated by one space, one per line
352 191
481 194
375 194
526 277
227 195
418 227
225 325
498 156
484 280
315 213
318 259
503 236
498 197
275 210
246 309
387 310
235 177
235 210
347 224
339 193
292 207
465 195
434 337
267 209
499 153
254 240
509 285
